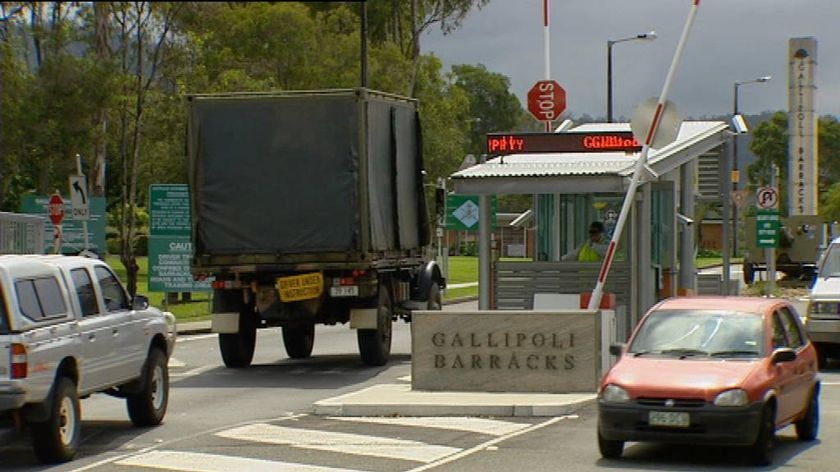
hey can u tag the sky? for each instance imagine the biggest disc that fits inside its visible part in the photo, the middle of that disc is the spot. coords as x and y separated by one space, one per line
731 40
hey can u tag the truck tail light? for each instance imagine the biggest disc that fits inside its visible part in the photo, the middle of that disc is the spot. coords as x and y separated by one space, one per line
19 361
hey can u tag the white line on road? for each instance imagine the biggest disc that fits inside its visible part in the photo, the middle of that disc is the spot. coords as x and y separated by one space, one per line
200 462
489 443
345 443
459 423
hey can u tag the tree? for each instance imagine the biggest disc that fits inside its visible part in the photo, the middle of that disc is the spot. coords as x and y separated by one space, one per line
144 29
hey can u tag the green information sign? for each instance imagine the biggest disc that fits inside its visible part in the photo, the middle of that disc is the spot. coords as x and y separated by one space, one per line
72 230
462 212
767 228
170 240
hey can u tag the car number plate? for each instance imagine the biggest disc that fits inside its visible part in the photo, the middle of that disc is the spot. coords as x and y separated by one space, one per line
671 419
344 291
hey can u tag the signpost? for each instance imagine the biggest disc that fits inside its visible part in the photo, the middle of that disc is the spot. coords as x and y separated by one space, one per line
55 209
767 230
170 240
546 100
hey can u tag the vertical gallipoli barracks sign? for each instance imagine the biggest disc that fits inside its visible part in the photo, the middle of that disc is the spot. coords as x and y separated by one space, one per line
505 351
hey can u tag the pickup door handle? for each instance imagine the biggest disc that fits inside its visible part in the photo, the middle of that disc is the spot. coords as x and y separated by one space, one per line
115 331
91 337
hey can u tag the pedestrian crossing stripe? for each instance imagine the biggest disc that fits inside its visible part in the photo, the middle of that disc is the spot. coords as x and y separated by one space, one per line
201 462
457 423
345 443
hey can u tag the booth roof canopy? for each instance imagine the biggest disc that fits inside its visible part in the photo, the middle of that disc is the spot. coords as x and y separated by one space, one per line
693 139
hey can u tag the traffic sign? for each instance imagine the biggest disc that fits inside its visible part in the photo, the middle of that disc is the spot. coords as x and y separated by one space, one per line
55 209
667 129
463 212
767 228
546 100
79 197
767 197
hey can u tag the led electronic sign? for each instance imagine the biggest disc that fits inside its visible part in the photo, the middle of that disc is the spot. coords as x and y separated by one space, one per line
524 143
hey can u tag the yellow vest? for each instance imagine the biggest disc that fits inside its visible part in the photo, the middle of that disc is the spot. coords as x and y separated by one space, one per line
588 254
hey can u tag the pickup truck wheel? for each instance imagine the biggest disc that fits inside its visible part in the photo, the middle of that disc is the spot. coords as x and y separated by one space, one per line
56 439
238 348
375 344
435 301
148 407
299 340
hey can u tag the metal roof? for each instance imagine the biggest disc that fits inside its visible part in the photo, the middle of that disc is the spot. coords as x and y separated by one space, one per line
585 172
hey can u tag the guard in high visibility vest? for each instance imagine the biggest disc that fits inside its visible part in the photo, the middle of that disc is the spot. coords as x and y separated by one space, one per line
593 249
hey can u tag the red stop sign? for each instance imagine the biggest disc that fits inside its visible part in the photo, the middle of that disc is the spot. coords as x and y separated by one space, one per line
546 100
55 208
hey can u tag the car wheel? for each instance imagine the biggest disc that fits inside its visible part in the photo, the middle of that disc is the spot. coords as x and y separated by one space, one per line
148 407
808 427
375 344
609 448
56 439
761 450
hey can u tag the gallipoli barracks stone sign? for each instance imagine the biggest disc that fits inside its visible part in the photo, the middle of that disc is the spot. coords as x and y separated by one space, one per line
506 351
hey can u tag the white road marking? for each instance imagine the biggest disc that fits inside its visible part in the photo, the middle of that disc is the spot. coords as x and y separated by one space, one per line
340 442
194 337
199 462
489 444
191 373
176 363
459 423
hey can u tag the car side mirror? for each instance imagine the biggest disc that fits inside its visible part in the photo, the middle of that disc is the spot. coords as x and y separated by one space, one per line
140 302
784 354
617 349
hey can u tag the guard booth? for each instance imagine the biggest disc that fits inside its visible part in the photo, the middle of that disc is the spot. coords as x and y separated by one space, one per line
582 175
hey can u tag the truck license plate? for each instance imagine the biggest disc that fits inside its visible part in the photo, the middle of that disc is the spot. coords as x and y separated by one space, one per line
671 419
300 287
344 291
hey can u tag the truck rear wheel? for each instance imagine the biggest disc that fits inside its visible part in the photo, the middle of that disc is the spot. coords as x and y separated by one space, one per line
435 301
238 348
298 340
375 344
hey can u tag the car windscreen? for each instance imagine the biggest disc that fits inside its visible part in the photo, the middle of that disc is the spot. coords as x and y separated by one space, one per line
830 264
691 333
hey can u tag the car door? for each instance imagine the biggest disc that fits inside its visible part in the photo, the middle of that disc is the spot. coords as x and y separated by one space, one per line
785 372
124 334
804 368
97 345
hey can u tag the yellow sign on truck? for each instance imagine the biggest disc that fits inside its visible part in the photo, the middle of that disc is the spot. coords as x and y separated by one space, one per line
300 287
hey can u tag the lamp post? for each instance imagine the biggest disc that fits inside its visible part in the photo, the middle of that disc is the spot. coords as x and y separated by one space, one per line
650 36
735 177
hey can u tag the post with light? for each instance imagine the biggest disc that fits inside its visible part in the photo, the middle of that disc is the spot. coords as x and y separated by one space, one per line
736 176
649 36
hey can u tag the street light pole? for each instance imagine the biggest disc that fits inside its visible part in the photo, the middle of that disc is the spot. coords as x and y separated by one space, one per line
650 36
736 177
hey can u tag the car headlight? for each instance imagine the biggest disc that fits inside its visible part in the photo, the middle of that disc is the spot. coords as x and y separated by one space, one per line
824 308
615 394
735 397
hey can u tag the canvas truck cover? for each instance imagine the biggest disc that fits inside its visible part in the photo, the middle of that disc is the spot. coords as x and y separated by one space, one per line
324 172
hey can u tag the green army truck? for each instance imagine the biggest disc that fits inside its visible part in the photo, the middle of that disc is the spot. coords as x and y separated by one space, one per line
308 208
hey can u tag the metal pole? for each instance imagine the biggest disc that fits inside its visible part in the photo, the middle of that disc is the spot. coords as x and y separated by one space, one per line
735 177
609 82
546 50
725 215
770 252
597 293
84 222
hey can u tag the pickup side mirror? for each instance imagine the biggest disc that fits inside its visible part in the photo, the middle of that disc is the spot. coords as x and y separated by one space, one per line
617 349
784 354
140 302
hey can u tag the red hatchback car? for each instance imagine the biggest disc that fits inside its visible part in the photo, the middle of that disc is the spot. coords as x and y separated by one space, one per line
711 370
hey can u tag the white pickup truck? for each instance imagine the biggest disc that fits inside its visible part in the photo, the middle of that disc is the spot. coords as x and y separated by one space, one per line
69 329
